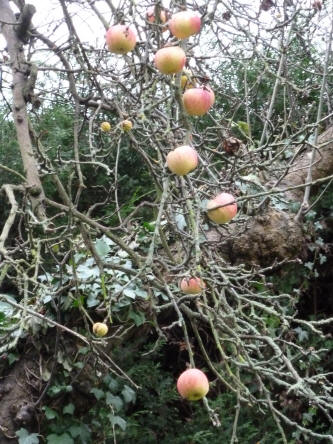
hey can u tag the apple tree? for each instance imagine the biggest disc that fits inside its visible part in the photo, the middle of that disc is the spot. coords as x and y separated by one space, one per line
166 186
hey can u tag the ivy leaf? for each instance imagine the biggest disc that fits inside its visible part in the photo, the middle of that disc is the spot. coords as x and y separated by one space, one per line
115 401
102 248
107 240
5 308
309 265
54 390
111 383
302 334
12 357
68 409
86 272
138 318
81 431
50 413
117 420
180 221
322 259
59 439
129 394
130 293
24 437
99 394
141 293
92 300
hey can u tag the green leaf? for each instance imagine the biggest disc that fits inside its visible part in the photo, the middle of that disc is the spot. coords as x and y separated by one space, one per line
92 300
68 409
138 318
115 401
55 390
84 350
80 431
111 383
86 272
50 413
128 394
102 248
303 335
309 265
117 420
24 437
5 308
130 293
180 221
148 226
99 394
59 439
141 293
12 357
46 374
243 127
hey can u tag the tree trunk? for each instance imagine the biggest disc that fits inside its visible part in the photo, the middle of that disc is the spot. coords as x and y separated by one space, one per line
21 71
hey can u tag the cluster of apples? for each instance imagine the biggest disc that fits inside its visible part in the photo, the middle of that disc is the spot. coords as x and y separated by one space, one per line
169 60
125 125
197 100
192 384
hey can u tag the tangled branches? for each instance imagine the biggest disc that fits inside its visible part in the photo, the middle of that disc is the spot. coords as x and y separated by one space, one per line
109 229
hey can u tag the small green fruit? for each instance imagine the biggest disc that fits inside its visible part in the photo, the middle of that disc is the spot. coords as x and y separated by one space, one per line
100 329
105 127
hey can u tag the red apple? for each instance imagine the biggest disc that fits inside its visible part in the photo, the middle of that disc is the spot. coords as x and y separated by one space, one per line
222 208
192 285
184 24
197 101
170 60
193 384
151 15
182 160
121 39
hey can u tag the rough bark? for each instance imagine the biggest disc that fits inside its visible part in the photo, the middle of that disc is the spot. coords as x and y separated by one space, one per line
322 167
21 70
273 236
16 402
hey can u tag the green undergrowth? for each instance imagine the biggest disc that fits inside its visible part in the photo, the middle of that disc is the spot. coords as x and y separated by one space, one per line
110 410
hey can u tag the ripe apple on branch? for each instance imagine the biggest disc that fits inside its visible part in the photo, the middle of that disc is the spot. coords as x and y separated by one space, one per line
193 285
182 160
120 39
222 208
184 24
193 384
170 59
